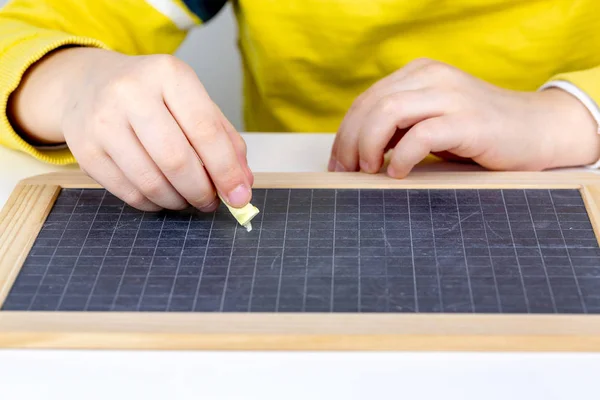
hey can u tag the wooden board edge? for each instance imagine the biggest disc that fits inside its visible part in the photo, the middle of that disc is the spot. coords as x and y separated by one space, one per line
20 222
290 342
591 198
185 331
419 179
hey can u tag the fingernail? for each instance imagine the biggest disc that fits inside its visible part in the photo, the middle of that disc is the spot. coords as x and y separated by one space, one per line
339 167
332 163
364 166
238 196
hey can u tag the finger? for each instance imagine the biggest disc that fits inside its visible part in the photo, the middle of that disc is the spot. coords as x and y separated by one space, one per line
135 163
431 135
240 147
168 147
103 170
404 79
396 111
199 120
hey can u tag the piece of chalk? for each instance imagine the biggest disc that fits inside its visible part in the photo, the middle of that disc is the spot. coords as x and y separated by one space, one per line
243 215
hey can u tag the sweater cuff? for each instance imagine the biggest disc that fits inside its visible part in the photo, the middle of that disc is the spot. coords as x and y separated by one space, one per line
14 63
584 98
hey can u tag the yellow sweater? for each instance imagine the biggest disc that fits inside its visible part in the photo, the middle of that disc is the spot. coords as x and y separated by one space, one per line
306 60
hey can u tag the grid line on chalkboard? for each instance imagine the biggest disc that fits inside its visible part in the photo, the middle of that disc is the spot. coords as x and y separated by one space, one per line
109 243
517 255
147 278
359 239
325 250
287 211
464 251
332 296
228 269
387 248
553 301
256 256
412 251
489 253
437 271
53 255
583 305
304 297
212 223
122 277
99 273
87 235
187 232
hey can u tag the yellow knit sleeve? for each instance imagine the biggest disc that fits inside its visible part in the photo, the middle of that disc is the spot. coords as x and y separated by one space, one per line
30 29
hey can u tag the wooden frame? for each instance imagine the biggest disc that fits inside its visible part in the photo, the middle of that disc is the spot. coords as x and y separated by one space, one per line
31 202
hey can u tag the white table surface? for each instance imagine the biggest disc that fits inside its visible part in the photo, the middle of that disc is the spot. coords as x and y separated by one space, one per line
88 375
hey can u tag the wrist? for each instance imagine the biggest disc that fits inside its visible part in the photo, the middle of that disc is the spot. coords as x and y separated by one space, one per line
36 108
570 127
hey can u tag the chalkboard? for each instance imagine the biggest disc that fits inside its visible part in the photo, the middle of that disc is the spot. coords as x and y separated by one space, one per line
319 250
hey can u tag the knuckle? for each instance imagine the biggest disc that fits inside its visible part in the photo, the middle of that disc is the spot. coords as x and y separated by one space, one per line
174 164
433 68
423 135
92 154
229 174
100 119
169 64
205 200
206 131
437 69
152 185
135 199
389 105
359 102
243 147
122 87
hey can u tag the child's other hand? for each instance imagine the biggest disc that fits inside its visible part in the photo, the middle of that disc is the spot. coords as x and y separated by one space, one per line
139 126
430 107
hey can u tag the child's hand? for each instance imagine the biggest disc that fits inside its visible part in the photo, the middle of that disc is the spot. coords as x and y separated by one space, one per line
430 107
140 126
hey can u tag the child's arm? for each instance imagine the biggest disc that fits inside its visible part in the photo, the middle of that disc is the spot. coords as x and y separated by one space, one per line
84 73
430 107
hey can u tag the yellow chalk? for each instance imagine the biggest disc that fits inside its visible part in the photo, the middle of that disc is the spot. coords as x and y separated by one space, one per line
243 215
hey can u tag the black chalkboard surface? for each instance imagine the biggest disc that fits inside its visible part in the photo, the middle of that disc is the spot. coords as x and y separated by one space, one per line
319 250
